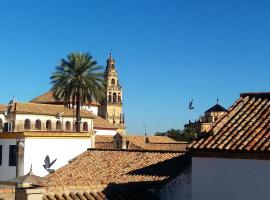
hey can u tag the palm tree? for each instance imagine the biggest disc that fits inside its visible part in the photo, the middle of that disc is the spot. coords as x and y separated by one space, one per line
76 81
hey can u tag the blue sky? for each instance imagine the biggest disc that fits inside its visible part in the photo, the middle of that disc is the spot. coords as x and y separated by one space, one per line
167 52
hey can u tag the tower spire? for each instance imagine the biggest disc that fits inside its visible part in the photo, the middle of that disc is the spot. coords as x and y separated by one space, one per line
110 54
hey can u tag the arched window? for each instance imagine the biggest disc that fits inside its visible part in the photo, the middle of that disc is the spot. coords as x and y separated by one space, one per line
114 97
68 126
110 98
1 123
27 124
58 125
48 125
119 97
38 125
113 82
85 126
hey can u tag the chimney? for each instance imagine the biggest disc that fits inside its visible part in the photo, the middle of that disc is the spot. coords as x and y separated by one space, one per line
119 141
93 140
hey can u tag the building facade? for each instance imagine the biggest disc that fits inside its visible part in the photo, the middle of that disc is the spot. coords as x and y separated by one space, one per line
210 116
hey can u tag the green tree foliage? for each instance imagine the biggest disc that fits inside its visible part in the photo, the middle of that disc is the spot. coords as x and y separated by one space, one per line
76 81
187 134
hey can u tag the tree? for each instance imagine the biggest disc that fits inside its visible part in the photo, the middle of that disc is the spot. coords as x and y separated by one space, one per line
76 81
187 134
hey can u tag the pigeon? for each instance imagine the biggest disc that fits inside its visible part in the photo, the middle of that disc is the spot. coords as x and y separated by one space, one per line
190 105
47 164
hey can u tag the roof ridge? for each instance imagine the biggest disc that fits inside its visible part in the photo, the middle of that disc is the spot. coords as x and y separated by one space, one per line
138 150
256 94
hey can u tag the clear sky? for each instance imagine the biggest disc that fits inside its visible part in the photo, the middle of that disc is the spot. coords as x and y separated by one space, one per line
167 51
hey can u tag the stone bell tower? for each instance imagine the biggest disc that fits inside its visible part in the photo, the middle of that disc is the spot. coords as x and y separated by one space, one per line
111 107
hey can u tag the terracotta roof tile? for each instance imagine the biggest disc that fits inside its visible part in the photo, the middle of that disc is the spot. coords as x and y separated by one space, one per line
99 167
47 98
139 142
100 123
120 194
47 109
245 128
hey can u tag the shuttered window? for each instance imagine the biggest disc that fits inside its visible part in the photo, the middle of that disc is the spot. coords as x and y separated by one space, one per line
12 155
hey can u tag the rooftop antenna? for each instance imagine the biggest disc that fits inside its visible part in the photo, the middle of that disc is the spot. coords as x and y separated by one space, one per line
144 126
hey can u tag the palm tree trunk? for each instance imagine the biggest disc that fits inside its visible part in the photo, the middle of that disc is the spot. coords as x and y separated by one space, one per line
78 114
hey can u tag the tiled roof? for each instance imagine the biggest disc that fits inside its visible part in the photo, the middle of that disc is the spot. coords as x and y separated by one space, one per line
47 98
245 128
47 109
103 167
119 194
100 123
216 108
141 142
157 143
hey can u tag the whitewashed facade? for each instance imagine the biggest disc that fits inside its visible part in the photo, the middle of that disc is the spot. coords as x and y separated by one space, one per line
60 146
227 178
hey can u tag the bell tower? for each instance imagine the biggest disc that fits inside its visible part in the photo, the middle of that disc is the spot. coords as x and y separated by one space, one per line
111 107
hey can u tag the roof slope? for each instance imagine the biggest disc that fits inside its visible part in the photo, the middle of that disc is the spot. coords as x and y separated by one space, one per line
216 108
100 123
158 143
245 128
47 98
47 109
102 167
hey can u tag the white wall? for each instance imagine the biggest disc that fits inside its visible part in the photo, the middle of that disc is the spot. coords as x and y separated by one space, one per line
178 188
234 179
6 171
64 149
104 132
93 109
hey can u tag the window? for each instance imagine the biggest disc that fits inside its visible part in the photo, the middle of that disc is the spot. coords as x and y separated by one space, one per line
58 125
48 125
113 82
12 155
38 125
27 124
110 98
1 154
68 126
119 98
114 97
85 126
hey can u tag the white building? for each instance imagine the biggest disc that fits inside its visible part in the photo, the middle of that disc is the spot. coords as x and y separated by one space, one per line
39 130
233 162
33 147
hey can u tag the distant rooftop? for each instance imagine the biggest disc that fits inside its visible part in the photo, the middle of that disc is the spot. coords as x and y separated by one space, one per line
216 108
48 98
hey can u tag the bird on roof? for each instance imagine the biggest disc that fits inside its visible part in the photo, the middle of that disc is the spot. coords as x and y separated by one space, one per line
190 105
